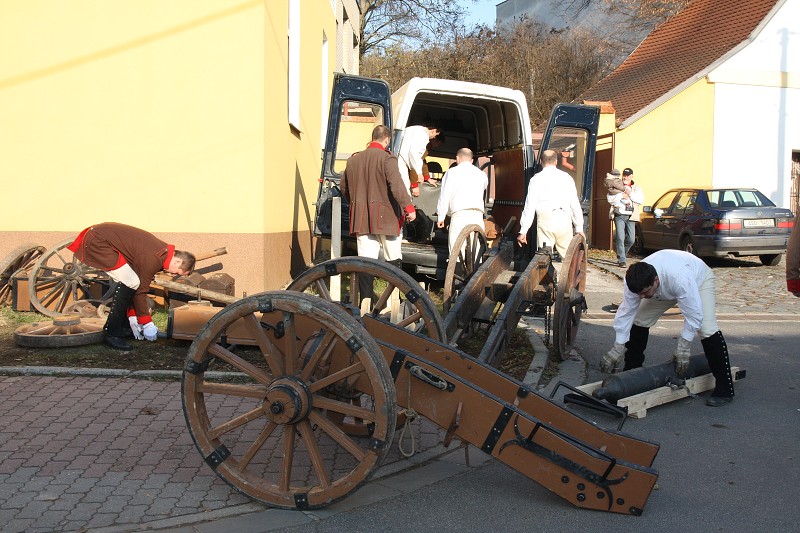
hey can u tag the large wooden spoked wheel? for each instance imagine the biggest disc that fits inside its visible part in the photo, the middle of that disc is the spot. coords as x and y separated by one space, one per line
19 261
58 279
469 251
61 332
570 303
419 313
263 424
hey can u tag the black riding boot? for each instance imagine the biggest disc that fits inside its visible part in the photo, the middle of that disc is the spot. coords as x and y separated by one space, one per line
716 351
365 283
634 353
117 324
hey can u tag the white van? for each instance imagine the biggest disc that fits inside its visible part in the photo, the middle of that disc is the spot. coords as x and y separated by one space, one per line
492 121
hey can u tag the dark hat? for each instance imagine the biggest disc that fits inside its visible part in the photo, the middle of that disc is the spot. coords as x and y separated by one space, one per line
614 172
627 172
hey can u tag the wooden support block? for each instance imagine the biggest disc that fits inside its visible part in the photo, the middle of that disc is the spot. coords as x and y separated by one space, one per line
638 404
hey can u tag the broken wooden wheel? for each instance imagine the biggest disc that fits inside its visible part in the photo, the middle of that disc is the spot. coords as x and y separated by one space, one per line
58 279
259 417
61 332
14 265
570 302
469 251
417 311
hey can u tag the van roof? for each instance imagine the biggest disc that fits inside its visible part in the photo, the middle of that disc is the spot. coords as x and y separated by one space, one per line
499 115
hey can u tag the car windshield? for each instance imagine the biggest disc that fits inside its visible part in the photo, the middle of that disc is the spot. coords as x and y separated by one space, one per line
728 198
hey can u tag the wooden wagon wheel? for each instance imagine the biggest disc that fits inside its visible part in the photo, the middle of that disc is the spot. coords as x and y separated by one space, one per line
419 312
15 264
89 308
57 279
570 303
61 332
469 251
266 431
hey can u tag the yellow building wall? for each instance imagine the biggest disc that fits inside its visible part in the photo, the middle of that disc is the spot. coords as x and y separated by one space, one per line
167 115
672 145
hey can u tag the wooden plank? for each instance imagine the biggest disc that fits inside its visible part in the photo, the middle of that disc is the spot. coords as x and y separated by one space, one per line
638 404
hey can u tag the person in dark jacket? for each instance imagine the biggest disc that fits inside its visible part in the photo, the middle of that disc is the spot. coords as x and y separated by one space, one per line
131 257
379 201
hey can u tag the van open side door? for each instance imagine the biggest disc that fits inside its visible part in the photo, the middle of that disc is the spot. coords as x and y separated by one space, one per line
572 132
357 106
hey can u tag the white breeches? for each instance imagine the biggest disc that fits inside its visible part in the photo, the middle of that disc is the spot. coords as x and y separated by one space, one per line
373 245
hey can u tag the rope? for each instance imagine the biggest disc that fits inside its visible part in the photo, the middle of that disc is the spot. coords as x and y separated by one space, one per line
411 414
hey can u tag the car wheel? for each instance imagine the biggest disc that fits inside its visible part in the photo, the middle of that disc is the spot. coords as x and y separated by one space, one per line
638 241
770 260
687 245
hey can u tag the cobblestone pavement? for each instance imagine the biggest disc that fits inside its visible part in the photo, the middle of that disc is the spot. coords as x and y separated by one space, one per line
744 286
82 453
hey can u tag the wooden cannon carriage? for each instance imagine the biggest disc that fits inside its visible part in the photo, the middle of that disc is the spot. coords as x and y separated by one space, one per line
320 383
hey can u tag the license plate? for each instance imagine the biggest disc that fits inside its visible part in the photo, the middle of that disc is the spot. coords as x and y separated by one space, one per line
760 223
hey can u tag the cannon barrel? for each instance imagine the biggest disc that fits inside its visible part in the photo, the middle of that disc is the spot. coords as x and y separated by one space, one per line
643 379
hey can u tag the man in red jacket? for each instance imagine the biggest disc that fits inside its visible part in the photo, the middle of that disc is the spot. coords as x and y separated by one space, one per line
131 257
379 201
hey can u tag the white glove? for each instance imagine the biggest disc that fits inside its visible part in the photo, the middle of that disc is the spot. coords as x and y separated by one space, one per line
612 361
150 331
136 328
681 356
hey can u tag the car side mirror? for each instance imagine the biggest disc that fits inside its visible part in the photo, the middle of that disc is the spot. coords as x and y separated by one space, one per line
647 208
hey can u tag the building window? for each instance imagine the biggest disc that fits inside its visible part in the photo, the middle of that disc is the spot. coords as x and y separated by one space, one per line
294 64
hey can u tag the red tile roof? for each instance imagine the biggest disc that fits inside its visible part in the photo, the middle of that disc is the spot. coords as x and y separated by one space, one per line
680 49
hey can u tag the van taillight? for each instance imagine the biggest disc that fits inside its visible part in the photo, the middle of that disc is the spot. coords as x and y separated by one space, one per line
725 224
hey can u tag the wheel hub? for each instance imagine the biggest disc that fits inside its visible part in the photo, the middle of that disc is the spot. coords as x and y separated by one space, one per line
288 400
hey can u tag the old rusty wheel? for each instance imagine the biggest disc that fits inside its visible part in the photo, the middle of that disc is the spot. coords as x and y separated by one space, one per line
418 312
58 279
570 303
14 265
61 332
259 415
469 251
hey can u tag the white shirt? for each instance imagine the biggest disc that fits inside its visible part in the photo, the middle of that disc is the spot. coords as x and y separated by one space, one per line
412 148
462 188
680 275
549 190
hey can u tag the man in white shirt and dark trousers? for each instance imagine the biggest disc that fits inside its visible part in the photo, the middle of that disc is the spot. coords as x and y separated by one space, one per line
462 196
654 285
553 199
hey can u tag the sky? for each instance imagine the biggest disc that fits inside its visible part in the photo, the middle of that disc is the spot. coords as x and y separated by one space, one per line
480 12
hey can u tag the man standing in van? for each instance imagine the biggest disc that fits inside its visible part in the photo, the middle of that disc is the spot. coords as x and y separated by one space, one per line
379 202
411 154
552 197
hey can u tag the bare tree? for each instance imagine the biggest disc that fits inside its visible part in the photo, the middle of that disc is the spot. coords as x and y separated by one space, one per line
548 66
387 23
635 16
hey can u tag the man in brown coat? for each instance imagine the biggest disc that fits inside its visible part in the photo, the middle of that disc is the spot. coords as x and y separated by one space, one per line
132 257
378 199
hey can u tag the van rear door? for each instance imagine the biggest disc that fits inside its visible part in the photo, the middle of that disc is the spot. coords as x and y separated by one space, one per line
572 132
357 106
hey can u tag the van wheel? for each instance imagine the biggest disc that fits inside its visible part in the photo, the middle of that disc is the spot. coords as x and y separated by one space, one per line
770 260
687 245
